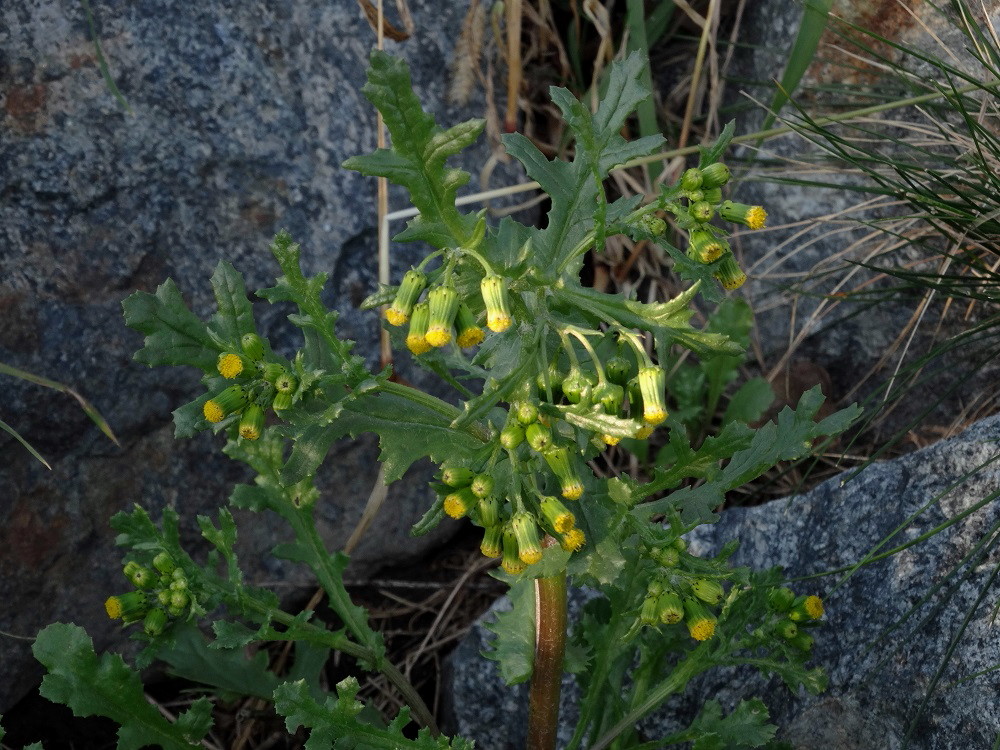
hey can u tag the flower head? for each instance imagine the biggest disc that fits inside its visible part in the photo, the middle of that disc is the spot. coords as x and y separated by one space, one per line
230 365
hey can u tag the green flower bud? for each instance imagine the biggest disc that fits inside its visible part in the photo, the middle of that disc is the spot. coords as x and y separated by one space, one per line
618 369
155 622
539 436
482 485
806 608
754 217
469 332
557 514
561 464
670 608
576 386
702 211
494 290
680 545
228 402
252 422
700 622
729 273
252 346
141 577
178 574
491 545
652 385
555 382
457 476
525 412
176 611
179 584
130 607
529 549
489 512
709 591
273 371
512 436
163 597
164 563
649 612
511 562
460 502
409 292
712 195
654 225
668 557
691 179
285 383
443 302
654 587
803 641
704 247
781 600
230 365
416 336
714 175
281 401
787 629
610 396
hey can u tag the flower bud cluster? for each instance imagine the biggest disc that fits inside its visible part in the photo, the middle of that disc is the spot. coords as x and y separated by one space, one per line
161 595
259 385
791 614
511 531
443 316
683 590
702 191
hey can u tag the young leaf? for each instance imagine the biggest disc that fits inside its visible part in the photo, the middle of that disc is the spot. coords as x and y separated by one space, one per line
106 686
174 334
750 401
746 726
418 155
340 722
228 671
514 645
235 315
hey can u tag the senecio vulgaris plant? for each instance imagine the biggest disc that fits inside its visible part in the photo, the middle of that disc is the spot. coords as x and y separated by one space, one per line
565 372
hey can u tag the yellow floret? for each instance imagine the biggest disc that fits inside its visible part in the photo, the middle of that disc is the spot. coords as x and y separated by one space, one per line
212 411
512 565
734 282
644 432
756 217
653 415
437 336
454 506
712 252
573 490
530 556
417 344
471 337
498 323
396 317
814 607
610 439
249 431
573 540
113 607
702 630
230 365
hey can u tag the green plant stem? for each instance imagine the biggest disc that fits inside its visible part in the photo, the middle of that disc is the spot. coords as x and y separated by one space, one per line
550 646
434 404
340 642
695 662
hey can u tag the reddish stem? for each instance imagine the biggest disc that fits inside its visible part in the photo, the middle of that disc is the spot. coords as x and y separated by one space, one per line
550 645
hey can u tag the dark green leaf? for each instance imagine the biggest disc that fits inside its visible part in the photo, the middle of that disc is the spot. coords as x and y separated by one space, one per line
174 335
235 315
514 646
750 402
106 686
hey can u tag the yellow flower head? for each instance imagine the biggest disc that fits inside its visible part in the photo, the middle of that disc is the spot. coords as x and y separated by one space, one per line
472 336
610 439
701 630
230 365
572 489
212 411
756 217
814 607
113 606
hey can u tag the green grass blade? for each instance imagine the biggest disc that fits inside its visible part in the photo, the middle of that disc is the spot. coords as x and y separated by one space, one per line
102 63
803 50
639 41
88 408
16 435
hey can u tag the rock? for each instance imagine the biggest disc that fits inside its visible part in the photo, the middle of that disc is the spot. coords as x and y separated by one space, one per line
877 687
846 338
241 115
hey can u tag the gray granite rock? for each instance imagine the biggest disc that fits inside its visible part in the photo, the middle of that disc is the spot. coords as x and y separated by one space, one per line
878 686
846 338
241 115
